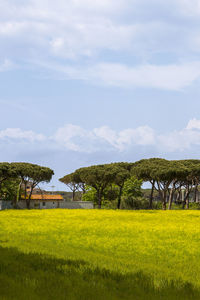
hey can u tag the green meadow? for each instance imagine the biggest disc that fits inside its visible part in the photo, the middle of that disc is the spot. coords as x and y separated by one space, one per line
99 254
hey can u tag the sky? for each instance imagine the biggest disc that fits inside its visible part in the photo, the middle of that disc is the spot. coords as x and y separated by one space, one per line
86 82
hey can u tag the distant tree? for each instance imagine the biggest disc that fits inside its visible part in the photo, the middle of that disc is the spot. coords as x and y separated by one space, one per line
145 170
9 189
132 187
6 172
90 194
98 177
167 177
31 175
161 173
121 172
70 181
191 178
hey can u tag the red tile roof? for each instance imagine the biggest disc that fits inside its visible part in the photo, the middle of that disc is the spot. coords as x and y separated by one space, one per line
46 197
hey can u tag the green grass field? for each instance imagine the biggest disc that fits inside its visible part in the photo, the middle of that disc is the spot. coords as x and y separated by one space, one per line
92 254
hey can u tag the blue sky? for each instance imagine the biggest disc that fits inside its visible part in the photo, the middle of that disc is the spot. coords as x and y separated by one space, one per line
93 81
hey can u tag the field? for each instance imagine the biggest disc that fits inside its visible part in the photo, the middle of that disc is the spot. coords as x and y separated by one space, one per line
92 254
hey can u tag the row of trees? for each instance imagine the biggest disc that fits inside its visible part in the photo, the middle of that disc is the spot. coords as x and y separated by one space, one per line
16 177
110 181
166 177
99 177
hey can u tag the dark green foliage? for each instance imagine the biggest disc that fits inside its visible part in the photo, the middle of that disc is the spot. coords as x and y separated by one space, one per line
7 171
14 175
90 195
132 193
32 175
98 177
166 177
122 173
9 189
132 187
70 181
36 277
111 193
135 203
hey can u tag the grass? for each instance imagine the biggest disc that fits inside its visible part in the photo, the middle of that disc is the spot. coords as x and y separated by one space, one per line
91 254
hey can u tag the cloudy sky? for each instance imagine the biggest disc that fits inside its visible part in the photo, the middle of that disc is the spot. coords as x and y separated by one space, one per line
94 81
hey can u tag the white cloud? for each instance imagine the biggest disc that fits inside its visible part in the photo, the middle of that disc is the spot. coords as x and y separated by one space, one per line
125 138
172 77
179 140
81 33
77 139
18 134
167 77
193 124
64 137
107 134
64 28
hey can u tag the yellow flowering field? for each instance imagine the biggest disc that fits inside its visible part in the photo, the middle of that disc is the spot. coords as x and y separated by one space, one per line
162 245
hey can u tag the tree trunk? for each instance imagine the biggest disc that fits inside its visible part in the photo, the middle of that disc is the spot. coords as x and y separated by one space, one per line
83 188
171 195
164 205
151 195
178 195
99 199
164 195
171 198
29 198
187 203
196 194
73 195
25 195
17 196
186 199
119 197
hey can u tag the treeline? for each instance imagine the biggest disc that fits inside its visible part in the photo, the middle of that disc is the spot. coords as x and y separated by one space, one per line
167 177
110 182
16 177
